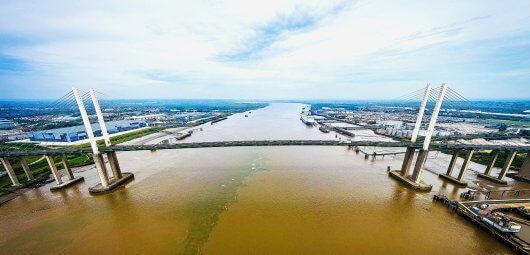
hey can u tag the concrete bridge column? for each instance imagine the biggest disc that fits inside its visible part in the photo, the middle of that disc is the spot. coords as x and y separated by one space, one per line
452 164
465 166
71 179
420 163
524 172
463 170
412 181
53 167
114 165
507 164
494 155
119 177
10 172
66 165
486 175
102 169
407 161
25 167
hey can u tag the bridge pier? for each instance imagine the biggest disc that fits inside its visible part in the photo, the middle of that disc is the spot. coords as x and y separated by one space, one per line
460 179
54 170
118 178
507 164
524 172
452 164
420 163
66 166
58 178
407 161
504 170
10 172
114 165
486 175
25 167
413 180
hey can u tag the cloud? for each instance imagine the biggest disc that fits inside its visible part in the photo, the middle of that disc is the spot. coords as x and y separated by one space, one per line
300 20
262 49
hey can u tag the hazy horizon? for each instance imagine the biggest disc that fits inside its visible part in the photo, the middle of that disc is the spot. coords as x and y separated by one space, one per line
270 100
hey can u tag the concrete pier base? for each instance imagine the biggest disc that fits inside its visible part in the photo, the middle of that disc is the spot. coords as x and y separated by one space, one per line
453 179
67 183
421 186
114 183
492 179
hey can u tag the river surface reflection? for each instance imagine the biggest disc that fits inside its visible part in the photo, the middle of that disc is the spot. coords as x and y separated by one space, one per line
244 200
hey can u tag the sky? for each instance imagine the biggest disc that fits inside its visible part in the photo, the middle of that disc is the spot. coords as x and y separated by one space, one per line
241 49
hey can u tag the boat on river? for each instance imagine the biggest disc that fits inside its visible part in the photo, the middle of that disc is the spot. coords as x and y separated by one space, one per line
307 119
497 220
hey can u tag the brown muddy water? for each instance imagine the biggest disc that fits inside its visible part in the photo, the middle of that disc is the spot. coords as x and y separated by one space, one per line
244 200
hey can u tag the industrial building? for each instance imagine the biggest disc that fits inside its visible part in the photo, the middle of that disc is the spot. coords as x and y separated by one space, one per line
77 133
6 124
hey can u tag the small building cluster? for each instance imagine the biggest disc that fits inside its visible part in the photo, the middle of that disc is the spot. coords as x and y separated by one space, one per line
8 131
77 133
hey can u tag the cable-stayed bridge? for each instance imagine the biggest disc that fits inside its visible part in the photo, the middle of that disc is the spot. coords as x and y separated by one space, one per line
429 109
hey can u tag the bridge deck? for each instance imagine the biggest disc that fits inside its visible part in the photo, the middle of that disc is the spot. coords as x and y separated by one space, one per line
48 151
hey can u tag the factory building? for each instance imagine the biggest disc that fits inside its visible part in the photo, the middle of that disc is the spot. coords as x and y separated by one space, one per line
77 133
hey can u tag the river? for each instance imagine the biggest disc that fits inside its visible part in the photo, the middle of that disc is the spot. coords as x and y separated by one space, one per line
245 200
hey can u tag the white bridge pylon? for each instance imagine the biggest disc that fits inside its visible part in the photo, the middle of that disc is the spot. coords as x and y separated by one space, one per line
415 178
99 160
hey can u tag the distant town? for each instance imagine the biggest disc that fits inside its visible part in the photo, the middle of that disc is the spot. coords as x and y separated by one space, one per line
397 119
40 121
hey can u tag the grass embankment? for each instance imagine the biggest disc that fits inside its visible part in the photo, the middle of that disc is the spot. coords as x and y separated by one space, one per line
39 166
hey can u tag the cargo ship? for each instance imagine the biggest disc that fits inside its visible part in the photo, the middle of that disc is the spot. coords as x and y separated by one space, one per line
496 219
307 119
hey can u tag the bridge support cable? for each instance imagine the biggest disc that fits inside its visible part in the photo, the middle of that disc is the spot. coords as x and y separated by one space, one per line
101 120
421 112
103 176
111 155
414 180
422 156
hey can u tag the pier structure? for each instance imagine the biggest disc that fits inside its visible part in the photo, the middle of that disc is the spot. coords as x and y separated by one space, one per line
118 178
460 178
524 172
414 180
71 179
507 164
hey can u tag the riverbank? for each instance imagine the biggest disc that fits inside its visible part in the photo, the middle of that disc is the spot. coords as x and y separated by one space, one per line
239 200
42 172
